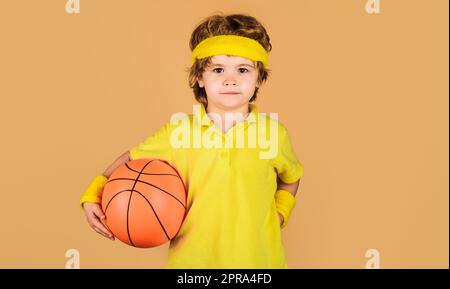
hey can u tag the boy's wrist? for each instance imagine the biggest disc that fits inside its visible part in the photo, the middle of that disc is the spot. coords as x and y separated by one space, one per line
285 202
93 192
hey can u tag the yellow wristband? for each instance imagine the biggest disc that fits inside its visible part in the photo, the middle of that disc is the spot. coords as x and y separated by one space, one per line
285 202
93 192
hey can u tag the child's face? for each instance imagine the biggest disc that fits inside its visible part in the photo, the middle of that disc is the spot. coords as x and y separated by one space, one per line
229 81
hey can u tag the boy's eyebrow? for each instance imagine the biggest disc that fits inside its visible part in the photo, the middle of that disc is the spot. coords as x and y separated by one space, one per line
242 64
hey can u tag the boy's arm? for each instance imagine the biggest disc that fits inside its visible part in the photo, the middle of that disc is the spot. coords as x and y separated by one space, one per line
93 192
292 188
90 199
119 161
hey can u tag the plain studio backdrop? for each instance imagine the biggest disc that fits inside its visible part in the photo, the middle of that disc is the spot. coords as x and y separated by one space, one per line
363 95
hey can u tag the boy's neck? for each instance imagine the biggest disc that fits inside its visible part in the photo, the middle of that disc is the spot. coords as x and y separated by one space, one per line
225 123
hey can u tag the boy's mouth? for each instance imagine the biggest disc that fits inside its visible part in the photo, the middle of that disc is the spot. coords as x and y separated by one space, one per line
230 92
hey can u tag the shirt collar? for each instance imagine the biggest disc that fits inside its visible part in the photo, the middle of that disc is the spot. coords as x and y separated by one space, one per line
200 112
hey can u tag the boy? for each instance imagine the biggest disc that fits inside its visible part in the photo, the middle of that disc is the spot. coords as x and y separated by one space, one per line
238 197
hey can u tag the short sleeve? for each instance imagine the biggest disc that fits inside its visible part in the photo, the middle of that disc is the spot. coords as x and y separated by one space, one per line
288 168
155 146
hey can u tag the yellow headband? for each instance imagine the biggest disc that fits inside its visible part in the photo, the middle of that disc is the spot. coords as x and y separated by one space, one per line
230 45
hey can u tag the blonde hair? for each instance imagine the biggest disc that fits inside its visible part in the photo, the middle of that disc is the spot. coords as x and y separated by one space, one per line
220 24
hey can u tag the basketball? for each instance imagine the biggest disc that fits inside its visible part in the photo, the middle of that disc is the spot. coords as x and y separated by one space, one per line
144 202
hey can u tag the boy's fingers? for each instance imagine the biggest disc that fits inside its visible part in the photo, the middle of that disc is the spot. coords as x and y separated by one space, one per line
103 220
101 216
100 232
99 213
280 218
97 224
103 232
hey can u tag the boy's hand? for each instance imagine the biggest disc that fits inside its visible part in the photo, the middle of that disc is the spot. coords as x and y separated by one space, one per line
96 219
280 217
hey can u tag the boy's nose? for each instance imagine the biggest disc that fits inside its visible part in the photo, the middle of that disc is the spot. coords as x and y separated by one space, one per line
230 81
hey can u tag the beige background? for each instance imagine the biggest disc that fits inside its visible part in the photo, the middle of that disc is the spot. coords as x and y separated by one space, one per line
364 96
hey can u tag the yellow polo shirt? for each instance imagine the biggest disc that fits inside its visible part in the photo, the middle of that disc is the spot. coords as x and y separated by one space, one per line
232 220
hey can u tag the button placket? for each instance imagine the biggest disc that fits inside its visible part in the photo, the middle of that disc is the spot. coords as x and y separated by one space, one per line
225 151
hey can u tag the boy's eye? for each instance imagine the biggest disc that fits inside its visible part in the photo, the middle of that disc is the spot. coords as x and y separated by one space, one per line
242 70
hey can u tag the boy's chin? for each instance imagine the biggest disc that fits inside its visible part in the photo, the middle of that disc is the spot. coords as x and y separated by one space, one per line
231 104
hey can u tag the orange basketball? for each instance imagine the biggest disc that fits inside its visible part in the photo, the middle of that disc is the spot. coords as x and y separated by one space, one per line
144 202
